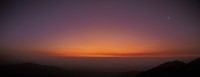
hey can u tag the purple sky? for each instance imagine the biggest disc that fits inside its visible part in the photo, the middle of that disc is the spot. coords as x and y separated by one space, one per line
96 27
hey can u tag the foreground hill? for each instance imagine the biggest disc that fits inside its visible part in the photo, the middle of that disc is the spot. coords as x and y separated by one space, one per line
169 69
32 70
174 69
36 70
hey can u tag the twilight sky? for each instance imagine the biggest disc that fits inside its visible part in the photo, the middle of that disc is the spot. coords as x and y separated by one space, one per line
101 28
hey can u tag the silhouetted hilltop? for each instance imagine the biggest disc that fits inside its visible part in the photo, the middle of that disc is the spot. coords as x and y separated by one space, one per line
174 69
169 66
163 69
192 69
195 62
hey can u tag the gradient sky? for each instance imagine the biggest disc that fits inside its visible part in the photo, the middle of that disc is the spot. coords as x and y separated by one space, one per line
101 28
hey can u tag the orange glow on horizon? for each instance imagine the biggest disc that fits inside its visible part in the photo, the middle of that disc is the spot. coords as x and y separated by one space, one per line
117 55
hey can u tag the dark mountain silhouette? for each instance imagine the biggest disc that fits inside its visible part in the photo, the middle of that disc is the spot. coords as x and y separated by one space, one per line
174 69
31 70
169 69
36 70
163 69
192 69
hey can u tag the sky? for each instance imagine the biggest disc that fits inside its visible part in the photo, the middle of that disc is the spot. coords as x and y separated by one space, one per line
101 28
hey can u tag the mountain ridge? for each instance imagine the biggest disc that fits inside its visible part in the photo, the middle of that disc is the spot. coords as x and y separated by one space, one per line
174 69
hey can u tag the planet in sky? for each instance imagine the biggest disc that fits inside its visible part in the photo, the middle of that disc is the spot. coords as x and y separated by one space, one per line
168 17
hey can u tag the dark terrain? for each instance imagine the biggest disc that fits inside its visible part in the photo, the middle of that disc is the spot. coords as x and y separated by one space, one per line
172 69
169 69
